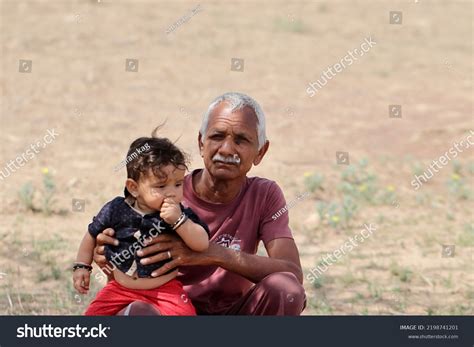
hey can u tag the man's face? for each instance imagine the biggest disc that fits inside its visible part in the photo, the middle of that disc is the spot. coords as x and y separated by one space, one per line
231 137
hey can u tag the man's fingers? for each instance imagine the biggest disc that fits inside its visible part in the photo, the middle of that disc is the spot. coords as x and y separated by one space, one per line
99 257
100 250
105 239
154 248
155 258
109 232
165 268
100 260
159 239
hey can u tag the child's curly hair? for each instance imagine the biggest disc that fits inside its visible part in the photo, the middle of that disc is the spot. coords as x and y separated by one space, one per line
152 153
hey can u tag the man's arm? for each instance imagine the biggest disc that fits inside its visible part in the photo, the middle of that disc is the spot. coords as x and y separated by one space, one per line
282 257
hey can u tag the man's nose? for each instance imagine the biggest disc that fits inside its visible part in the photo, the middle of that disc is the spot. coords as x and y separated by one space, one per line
227 148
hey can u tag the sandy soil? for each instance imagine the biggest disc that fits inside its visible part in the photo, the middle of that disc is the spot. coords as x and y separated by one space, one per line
78 86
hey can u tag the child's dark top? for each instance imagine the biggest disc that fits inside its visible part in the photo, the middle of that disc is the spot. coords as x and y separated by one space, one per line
131 229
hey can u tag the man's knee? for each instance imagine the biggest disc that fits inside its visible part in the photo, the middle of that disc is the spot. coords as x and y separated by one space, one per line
285 288
139 308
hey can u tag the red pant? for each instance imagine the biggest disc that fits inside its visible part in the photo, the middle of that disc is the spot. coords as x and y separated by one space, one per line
170 299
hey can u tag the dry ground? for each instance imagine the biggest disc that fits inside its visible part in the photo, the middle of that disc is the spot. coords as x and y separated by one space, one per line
79 86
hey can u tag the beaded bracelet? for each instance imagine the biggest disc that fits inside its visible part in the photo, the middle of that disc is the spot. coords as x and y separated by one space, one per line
81 266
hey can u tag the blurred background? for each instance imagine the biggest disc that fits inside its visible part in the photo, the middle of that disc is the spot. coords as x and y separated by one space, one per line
101 73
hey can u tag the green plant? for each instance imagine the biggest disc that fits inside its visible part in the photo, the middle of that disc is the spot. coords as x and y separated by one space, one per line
404 274
56 272
457 167
349 209
417 169
313 182
337 214
470 167
358 182
321 306
290 25
388 195
26 194
467 236
319 282
48 193
375 292
422 198
458 187
321 209
447 282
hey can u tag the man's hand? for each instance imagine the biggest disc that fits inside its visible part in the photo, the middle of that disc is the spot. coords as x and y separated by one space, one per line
104 238
282 256
157 250
170 211
81 279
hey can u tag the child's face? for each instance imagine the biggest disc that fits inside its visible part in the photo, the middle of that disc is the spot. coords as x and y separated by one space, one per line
152 190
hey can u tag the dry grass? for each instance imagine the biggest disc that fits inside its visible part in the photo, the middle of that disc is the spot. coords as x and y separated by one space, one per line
80 87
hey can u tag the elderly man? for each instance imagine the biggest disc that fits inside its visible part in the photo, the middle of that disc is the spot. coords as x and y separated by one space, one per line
229 278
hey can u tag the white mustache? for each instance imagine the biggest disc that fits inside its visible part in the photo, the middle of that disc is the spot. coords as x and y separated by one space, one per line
235 159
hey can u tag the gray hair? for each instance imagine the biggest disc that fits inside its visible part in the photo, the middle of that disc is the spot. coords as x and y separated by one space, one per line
237 101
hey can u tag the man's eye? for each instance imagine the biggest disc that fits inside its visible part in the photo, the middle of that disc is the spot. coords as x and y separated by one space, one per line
179 184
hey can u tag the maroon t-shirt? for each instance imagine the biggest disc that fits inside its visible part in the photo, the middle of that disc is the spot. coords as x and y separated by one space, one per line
240 225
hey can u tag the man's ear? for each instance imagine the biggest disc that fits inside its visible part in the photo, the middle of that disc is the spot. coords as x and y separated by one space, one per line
132 187
200 144
261 153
